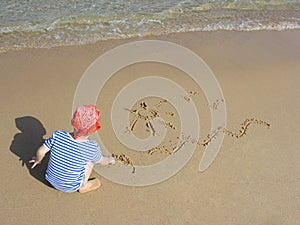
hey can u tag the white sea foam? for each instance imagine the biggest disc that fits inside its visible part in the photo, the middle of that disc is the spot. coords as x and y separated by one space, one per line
48 23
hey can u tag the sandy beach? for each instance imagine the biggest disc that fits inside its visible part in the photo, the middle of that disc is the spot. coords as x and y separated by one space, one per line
253 180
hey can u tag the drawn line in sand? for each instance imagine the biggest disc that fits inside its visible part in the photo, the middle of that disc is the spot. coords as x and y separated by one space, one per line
215 105
124 159
245 126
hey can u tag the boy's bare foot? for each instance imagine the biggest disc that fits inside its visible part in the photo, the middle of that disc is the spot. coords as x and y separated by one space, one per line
90 186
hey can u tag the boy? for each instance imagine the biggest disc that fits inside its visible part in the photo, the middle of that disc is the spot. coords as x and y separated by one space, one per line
73 155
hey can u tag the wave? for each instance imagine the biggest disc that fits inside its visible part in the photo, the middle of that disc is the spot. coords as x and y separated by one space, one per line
42 26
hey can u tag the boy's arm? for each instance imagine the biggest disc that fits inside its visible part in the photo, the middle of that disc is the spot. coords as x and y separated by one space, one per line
39 156
107 160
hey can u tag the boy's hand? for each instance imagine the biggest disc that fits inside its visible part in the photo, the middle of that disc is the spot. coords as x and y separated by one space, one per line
39 156
107 160
112 160
34 161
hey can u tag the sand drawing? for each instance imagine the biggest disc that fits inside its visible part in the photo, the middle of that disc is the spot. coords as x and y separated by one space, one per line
245 126
178 145
189 95
216 104
145 113
171 147
122 158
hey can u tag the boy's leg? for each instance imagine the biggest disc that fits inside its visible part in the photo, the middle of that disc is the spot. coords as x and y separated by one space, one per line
88 171
89 185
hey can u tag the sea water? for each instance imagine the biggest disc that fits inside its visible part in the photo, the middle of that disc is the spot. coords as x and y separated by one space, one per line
48 23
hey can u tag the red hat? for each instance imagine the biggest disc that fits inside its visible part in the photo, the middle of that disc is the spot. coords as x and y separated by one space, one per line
86 120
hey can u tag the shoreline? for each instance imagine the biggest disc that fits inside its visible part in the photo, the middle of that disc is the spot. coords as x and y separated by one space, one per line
146 37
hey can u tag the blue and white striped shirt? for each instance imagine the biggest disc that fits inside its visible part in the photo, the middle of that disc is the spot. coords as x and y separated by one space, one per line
68 159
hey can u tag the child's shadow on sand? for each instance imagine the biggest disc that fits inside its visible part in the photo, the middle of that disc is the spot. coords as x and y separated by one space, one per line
26 143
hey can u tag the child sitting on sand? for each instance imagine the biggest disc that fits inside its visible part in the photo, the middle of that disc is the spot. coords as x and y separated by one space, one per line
72 156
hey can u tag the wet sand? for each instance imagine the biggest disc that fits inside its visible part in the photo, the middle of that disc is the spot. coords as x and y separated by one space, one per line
253 180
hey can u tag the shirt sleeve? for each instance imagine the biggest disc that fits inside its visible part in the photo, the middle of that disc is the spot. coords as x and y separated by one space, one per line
50 141
98 154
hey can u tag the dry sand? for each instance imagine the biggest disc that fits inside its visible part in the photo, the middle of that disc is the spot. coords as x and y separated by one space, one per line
254 179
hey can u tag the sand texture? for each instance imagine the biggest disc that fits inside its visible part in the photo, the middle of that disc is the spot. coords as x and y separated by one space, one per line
254 179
